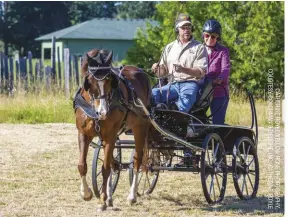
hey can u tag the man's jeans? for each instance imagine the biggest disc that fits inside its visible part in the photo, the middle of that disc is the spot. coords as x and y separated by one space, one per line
183 93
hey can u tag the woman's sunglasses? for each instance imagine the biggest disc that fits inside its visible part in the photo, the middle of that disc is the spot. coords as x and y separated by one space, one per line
213 36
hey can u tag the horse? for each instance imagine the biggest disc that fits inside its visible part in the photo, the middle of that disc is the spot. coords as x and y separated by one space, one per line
102 86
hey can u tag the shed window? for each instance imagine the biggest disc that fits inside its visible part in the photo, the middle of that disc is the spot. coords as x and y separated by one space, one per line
47 53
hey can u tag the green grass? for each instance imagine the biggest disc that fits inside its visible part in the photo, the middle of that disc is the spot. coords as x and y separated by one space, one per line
34 109
55 108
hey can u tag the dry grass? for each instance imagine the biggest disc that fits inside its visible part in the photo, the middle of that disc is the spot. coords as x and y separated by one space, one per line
39 177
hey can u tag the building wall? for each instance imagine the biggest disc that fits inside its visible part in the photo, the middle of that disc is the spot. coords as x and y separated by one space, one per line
48 45
79 47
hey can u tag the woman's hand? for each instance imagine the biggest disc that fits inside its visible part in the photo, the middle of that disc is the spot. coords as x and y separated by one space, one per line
218 81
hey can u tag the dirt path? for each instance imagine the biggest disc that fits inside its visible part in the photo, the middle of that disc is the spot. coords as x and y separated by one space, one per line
39 177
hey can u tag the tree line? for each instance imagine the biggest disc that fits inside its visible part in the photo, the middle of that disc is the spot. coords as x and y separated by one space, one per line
253 32
21 21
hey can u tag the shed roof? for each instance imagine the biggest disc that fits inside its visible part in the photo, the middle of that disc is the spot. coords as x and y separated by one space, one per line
100 28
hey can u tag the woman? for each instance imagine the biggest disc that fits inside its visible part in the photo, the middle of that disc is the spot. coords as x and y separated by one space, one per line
218 69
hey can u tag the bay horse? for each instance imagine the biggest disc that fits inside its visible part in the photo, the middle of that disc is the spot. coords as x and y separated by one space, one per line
101 87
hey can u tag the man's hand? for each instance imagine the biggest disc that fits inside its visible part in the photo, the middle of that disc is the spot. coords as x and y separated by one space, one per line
154 67
178 67
158 69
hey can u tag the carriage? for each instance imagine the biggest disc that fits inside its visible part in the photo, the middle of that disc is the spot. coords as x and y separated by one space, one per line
216 150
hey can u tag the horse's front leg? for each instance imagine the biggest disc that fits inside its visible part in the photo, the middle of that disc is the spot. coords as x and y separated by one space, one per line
140 132
84 142
106 190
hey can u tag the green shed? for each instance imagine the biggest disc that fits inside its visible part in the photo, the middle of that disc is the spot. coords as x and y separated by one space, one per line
101 33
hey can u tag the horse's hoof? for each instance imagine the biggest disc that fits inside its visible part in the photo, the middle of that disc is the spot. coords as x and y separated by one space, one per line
109 202
101 207
85 197
131 201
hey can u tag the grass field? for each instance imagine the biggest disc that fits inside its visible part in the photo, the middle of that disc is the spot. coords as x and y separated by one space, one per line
41 107
39 177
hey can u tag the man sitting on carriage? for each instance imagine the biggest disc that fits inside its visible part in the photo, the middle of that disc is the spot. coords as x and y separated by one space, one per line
185 61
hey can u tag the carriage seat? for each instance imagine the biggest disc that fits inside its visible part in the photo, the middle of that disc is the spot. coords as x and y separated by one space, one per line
205 94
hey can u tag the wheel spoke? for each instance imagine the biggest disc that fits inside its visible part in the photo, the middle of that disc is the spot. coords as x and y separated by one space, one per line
243 184
214 188
140 178
213 147
100 187
216 151
100 159
250 182
246 186
220 175
98 173
248 152
251 161
211 186
244 152
218 183
208 155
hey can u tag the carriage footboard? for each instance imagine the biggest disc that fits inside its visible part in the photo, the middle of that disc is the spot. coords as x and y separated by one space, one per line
164 132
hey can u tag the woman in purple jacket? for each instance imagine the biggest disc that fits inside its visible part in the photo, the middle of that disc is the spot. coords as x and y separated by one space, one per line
218 69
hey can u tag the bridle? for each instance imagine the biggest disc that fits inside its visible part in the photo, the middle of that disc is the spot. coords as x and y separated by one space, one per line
104 76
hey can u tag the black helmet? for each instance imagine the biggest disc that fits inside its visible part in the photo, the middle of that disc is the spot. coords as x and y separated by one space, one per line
212 26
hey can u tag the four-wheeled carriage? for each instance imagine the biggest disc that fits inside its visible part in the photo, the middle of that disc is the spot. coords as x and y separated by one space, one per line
210 145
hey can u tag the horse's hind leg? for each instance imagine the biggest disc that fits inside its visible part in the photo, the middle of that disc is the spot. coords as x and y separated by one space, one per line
140 131
84 142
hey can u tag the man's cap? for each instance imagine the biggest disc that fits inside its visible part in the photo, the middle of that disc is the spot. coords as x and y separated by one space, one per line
182 20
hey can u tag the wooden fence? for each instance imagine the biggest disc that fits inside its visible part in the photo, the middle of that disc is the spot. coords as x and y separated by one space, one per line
30 75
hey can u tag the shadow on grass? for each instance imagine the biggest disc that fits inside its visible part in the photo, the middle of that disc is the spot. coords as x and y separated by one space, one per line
231 204
259 205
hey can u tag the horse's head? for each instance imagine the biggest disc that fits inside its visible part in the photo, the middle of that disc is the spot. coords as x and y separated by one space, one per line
99 80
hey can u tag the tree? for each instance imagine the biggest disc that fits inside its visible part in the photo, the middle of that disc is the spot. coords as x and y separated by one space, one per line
136 10
81 11
253 32
27 20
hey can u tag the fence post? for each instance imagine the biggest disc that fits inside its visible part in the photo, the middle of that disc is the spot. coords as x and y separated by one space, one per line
1 71
31 77
53 57
11 79
66 71
17 74
76 71
59 66
48 72
6 72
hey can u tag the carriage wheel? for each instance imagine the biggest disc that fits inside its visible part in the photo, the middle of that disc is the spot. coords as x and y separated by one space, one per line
213 169
245 167
147 179
97 162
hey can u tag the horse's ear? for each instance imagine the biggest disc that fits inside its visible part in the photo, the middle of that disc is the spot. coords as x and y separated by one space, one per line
86 83
88 58
109 57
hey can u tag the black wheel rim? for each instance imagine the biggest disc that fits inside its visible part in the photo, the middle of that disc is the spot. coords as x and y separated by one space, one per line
97 179
214 170
245 169
146 179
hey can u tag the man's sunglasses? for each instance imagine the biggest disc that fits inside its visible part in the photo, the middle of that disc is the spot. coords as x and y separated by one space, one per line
206 35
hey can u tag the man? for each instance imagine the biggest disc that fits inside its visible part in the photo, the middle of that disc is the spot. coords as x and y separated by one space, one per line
185 61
